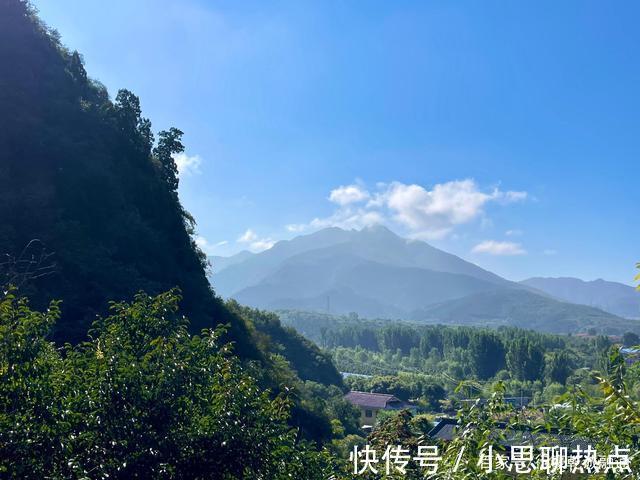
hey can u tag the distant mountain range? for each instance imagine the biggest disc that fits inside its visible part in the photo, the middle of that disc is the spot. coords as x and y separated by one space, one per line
525 309
611 297
377 274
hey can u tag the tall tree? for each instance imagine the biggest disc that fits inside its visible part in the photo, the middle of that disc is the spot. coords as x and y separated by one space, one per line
487 354
558 367
169 144
525 360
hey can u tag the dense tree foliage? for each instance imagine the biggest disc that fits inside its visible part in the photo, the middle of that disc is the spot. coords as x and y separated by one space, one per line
142 399
630 339
408 387
538 366
487 355
298 366
305 357
83 175
525 359
484 351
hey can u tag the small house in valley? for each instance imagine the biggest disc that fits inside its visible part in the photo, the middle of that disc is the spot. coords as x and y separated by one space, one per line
370 404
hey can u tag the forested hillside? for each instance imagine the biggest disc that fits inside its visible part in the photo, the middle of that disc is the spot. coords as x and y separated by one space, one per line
87 178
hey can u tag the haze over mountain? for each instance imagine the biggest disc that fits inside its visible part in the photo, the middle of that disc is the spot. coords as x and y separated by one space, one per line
611 297
220 263
524 309
336 248
375 273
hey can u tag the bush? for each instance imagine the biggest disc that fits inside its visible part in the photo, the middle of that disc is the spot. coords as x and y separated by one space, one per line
142 399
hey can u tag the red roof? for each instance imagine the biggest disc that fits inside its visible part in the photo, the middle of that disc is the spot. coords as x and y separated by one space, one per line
372 400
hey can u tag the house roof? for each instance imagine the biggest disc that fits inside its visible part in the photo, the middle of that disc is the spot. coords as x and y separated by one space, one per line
371 400
444 429
629 350
506 435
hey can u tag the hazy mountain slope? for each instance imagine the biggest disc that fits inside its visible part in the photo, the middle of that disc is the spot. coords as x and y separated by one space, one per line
256 267
612 297
338 301
527 310
218 263
376 244
375 273
325 275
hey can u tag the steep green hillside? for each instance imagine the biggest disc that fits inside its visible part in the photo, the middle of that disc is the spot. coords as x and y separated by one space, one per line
83 175
304 356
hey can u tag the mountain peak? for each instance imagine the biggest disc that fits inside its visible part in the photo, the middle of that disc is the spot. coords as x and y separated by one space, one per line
378 229
340 250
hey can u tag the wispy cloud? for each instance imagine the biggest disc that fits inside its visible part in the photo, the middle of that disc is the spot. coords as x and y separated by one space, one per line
549 251
513 233
296 227
254 242
248 236
493 247
187 165
512 196
262 244
348 218
207 247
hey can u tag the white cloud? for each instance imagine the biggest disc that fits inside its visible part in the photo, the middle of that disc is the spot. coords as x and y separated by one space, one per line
435 213
493 247
512 196
345 195
513 233
248 236
254 242
207 247
296 227
187 164
421 212
447 204
262 244
349 218
202 243
549 251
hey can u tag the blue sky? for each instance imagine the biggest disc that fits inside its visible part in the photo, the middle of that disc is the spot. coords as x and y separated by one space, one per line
504 132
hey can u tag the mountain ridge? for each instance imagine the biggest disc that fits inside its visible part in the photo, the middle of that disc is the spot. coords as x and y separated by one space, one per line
613 297
371 242
378 274
523 309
